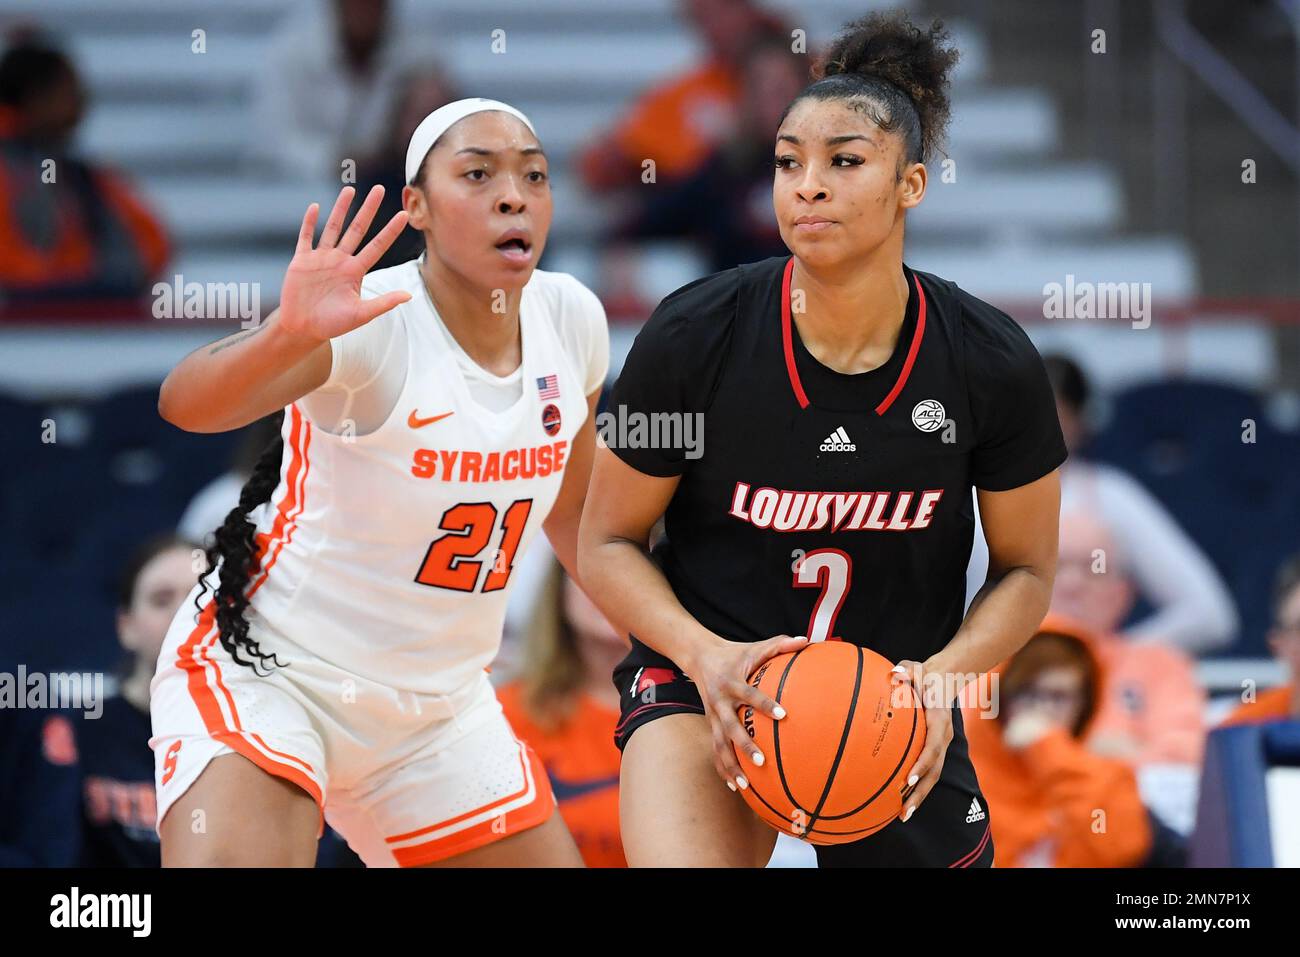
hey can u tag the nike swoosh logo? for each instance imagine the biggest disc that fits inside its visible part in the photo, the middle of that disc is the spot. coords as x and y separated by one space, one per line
566 790
415 422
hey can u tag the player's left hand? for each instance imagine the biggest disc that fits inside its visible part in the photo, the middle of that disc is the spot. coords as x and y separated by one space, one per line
938 735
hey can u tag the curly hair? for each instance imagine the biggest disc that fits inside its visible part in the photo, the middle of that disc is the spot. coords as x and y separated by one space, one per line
234 556
894 72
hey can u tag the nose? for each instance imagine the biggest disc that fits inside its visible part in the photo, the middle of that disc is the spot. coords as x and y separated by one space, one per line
512 199
810 188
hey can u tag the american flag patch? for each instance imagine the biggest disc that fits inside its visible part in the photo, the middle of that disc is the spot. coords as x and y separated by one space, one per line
548 387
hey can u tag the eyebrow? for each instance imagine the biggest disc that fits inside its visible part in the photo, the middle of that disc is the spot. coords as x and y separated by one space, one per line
830 140
480 151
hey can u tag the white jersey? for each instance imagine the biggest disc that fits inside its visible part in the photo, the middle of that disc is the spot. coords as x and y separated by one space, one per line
389 553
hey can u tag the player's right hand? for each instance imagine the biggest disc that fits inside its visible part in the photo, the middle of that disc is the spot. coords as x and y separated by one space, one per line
321 295
721 675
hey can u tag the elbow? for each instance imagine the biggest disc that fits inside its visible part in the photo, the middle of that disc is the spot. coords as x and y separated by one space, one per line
172 410
1224 624
167 410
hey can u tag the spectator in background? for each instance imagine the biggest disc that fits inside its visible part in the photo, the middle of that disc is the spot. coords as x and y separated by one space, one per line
1044 787
69 229
209 508
680 121
726 205
1151 709
330 78
563 704
119 810
423 91
1283 702
1193 609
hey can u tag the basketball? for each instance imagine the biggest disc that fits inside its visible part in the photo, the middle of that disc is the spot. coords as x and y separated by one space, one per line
836 763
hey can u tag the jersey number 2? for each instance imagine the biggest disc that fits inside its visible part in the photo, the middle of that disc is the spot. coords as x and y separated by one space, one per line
451 562
830 570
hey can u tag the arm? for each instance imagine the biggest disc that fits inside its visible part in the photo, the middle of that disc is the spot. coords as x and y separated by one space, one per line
623 504
1194 609
248 375
1020 526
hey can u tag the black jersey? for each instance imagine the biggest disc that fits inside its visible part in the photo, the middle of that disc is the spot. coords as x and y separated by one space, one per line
826 504
829 505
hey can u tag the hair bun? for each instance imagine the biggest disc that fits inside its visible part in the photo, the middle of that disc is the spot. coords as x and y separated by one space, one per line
890 48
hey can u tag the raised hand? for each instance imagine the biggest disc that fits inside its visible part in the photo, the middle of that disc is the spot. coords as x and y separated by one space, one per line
321 295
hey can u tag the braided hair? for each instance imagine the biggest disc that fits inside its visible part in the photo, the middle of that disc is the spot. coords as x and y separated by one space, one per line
896 73
233 555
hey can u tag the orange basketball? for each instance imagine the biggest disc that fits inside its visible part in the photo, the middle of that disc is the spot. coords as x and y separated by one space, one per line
835 763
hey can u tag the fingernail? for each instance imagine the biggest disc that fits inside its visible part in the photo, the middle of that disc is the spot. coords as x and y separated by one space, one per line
730 785
757 758
800 637
912 780
741 782
899 669
909 812
778 712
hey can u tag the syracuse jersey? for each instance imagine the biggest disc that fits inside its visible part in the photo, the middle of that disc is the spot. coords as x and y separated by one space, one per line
385 557
389 554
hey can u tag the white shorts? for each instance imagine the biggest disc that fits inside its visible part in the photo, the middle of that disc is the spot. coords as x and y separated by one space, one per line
407 779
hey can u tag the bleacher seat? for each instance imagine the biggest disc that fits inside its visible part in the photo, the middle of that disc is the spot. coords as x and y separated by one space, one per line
1183 441
1249 791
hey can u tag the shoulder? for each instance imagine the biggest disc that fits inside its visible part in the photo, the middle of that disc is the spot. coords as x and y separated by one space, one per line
704 310
567 302
997 354
988 335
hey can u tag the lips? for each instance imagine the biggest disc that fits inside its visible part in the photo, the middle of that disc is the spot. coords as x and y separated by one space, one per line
514 240
812 224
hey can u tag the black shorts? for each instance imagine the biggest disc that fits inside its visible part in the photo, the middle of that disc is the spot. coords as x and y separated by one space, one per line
949 829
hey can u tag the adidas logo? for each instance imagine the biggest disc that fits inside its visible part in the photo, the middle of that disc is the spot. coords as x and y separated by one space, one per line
976 813
838 441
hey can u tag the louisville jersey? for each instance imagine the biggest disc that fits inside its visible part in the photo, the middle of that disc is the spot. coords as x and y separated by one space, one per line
832 505
390 553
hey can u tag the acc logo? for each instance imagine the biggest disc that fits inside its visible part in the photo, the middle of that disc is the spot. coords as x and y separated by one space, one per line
927 415
551 419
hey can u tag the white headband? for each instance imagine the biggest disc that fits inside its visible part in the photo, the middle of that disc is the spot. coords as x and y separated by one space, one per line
437 123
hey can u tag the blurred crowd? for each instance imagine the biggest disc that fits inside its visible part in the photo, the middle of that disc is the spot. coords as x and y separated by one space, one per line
1103 701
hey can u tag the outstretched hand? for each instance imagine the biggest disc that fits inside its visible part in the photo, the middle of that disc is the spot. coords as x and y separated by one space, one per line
321 294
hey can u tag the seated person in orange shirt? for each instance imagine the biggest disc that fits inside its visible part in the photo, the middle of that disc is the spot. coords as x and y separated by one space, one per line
1053 802
69 229
1283 702
563 704
1152 709
734 182
679 122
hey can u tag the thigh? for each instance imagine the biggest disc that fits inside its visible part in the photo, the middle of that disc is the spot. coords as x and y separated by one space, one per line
674 809
547 845
462 784
237 815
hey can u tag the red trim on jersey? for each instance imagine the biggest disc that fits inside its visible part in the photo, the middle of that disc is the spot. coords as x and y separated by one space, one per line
787 341
911 350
